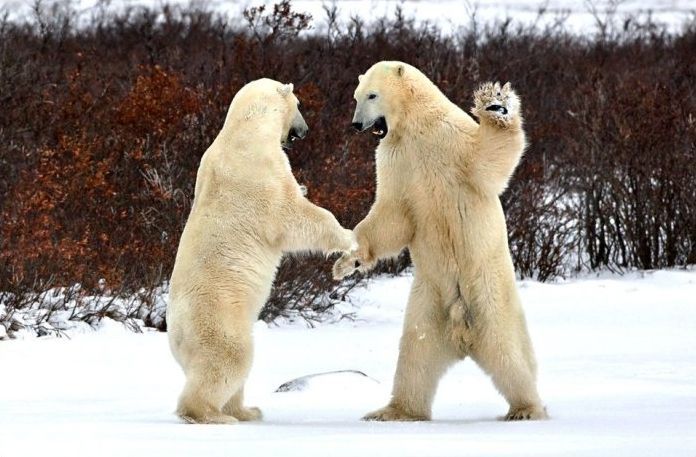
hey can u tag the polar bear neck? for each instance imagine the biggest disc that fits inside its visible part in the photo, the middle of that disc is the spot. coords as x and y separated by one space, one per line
424 111
425 108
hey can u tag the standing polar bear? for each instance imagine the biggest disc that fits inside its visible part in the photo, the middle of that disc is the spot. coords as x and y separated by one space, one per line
247 211
439 174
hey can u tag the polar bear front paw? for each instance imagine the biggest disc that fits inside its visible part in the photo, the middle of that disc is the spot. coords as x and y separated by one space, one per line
497 104
250 413
345 265
393 413
349 243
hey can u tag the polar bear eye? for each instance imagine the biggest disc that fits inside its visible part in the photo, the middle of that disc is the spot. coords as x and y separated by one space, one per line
372 96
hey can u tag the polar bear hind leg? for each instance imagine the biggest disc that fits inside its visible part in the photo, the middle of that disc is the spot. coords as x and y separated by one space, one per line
200 400
213 379
508 358
235 407
425 354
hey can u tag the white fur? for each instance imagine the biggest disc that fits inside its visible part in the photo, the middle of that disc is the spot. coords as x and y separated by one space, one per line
439 174
248 210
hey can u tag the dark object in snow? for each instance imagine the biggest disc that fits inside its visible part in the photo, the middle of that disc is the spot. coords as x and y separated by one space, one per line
300 384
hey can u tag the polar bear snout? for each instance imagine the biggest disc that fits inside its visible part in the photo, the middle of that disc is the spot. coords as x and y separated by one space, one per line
298 130
369 113
379 127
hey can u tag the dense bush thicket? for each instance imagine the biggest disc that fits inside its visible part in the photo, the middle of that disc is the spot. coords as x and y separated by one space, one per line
103 124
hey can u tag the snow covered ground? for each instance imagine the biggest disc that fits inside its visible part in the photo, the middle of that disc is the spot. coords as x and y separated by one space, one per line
450 15
617 361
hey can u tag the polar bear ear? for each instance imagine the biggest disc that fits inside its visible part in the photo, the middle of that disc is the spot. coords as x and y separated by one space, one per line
506 87
400 70
286 89
360 78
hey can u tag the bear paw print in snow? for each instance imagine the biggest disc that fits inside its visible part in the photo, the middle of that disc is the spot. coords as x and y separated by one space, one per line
496 103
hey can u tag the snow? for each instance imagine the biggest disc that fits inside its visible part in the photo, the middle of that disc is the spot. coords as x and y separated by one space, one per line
617 358
68 310
449 15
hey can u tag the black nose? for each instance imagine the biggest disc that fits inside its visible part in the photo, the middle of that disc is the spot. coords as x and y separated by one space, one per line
357 126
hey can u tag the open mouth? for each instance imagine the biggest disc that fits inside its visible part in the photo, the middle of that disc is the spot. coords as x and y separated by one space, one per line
379 128
291 138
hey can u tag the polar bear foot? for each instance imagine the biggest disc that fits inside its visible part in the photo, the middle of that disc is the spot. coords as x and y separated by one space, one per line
209 419
500 105
535 412
393 413
250 413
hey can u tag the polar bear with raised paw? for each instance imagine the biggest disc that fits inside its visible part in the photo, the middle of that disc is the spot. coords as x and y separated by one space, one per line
248 210
439 175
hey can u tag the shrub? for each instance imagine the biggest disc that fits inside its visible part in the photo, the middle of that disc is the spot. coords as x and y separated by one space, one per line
103 125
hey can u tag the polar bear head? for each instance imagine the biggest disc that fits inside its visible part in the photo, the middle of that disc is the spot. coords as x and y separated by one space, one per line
386 94
272 107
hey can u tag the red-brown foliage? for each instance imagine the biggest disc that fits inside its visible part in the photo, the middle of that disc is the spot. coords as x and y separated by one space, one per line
103 126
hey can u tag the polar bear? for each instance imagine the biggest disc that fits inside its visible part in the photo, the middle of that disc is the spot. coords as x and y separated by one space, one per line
439 174
247 211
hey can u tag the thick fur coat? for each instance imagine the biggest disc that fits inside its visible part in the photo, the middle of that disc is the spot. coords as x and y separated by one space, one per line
248 210
439 175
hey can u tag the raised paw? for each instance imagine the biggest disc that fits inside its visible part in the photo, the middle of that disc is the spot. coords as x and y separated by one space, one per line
393 413
345 265
497 104
526 413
